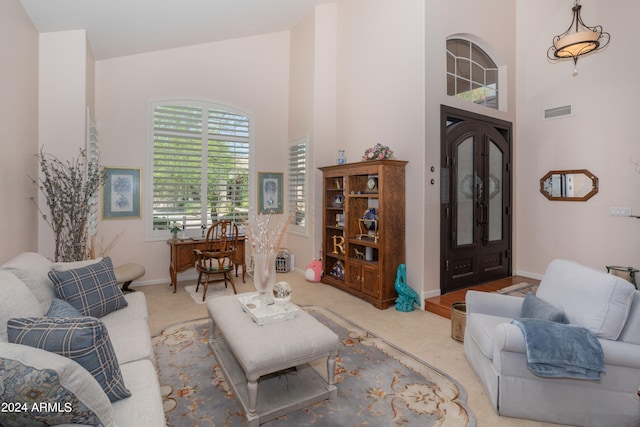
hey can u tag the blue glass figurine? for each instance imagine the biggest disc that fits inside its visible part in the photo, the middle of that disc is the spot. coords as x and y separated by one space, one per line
407 297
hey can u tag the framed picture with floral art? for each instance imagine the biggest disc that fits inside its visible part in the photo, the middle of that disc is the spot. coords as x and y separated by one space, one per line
121 193
270 192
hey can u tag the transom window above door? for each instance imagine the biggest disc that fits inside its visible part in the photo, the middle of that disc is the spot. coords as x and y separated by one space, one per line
471 74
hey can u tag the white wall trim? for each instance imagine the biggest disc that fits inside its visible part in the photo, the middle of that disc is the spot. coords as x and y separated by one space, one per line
529 275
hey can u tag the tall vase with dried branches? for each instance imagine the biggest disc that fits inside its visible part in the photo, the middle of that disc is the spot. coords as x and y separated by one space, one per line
265 237
68 188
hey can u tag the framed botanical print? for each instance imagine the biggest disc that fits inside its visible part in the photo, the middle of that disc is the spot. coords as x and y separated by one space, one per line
270 192
121 193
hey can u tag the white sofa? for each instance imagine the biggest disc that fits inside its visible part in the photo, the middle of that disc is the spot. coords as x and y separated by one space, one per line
602 303
27 291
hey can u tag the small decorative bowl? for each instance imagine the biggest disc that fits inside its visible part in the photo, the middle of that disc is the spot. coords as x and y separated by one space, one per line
282 293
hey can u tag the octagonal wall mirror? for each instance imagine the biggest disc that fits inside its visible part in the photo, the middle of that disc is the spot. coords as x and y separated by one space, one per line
577 185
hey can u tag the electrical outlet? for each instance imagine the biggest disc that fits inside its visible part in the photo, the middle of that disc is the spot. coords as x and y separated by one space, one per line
620 212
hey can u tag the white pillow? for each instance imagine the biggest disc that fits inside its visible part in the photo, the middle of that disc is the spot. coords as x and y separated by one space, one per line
33 269
16 300
590 298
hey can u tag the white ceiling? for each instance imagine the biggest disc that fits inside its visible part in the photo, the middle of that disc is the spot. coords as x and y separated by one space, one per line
126 27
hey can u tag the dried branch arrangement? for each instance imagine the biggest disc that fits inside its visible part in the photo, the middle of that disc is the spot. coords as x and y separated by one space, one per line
99 249
68 188
265 235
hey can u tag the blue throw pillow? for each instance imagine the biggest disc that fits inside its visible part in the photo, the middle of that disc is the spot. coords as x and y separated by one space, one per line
60 308
535 308
92 290
84 340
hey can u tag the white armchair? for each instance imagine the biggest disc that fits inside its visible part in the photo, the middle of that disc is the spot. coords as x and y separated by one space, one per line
605 304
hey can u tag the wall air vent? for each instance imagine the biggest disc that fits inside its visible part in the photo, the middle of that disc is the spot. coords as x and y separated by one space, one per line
557 112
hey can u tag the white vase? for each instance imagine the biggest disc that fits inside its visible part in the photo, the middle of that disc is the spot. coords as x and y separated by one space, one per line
264 276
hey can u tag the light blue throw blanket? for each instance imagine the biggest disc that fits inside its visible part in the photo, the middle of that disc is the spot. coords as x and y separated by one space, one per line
559 350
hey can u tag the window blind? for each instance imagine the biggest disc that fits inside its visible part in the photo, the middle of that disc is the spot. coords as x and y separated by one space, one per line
297 177
200 165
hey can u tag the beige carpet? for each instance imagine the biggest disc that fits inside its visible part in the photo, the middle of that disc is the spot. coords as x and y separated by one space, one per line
423 334
213 291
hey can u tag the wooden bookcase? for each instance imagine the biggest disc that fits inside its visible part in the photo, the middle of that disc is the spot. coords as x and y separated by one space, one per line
369 258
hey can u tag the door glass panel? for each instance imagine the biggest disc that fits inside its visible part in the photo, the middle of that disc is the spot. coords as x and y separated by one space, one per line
495 192
466 187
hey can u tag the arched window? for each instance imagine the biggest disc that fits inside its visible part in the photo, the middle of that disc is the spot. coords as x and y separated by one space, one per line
199 165
471 73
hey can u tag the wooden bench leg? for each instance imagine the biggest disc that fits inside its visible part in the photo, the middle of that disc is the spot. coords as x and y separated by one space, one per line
125 287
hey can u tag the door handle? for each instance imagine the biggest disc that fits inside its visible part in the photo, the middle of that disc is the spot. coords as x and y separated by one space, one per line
483 213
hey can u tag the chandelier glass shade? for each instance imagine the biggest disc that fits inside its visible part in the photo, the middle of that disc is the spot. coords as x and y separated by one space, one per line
578 40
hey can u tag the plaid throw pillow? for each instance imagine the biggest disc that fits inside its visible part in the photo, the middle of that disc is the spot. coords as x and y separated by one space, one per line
92 290
83 339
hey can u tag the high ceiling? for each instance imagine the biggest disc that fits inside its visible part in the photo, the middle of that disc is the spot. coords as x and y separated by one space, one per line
126 27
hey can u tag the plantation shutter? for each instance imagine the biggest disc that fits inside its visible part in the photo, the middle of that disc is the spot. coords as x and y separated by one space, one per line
200 166
177 165
228 171
298 183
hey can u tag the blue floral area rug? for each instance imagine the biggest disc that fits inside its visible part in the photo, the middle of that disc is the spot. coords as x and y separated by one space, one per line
378 384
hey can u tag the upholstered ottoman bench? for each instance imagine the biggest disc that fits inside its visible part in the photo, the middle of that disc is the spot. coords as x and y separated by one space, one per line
253 357
127 273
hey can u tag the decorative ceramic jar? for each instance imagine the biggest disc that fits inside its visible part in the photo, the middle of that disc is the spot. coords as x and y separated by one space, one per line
370 217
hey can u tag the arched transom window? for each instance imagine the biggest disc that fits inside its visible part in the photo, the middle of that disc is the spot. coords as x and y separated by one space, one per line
471 73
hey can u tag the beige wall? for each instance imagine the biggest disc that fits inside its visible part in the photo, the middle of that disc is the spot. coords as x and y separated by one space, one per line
65 81
18 130
390 84
386 60
381 98
358 79
491 24
312 112
250 74
301 120
599 137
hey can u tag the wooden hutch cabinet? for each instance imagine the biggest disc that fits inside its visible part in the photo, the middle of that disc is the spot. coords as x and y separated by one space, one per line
360 254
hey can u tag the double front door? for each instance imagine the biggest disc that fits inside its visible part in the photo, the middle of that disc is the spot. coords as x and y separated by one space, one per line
475 199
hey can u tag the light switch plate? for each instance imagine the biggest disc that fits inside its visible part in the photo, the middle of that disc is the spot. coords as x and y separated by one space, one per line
620 212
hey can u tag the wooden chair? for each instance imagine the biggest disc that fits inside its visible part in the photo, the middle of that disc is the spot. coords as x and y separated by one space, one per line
215 263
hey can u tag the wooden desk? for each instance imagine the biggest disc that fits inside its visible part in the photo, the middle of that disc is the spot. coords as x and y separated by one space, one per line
182 257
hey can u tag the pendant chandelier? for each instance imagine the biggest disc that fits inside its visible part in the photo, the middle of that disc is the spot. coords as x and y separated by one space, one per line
578 40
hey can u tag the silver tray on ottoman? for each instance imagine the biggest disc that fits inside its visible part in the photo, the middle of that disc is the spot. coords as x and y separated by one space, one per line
262 314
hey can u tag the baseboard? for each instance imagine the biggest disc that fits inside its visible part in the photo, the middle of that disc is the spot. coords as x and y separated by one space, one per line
529 275
163 281
181 278
431 294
